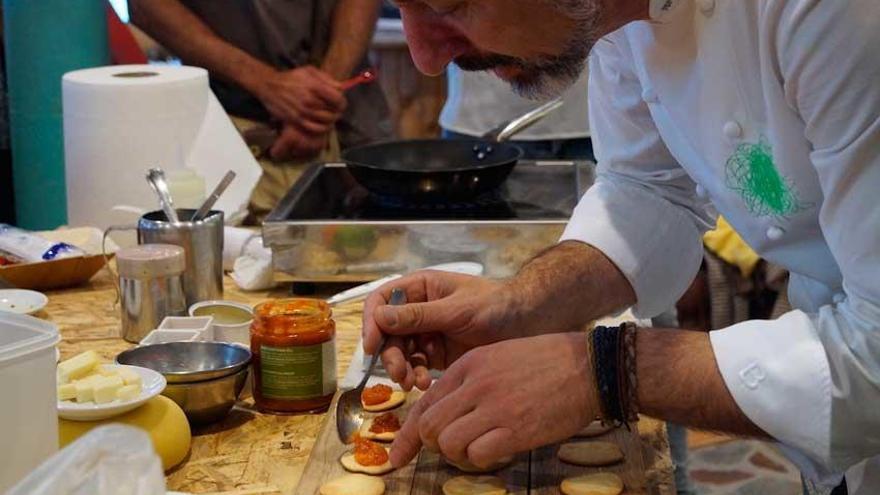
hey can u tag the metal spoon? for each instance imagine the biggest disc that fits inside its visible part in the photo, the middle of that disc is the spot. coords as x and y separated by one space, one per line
203 210
156 179
349 410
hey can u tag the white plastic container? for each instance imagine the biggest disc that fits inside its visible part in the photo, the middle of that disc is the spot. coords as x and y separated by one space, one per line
28 418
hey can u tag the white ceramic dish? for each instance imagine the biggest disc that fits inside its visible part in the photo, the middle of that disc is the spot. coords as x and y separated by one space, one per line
163 336
182 329
21 301
197 323
154 384
237 333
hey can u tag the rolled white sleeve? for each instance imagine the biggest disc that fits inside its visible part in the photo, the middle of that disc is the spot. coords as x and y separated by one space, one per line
812 379
641 212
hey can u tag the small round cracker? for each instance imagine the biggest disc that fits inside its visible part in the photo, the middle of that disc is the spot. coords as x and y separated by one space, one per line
590 453
467 467
474 485
350 464
354 484
594 429
593 484
398 397
385 436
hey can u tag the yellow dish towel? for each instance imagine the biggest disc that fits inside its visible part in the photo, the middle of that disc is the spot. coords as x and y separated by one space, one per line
725 243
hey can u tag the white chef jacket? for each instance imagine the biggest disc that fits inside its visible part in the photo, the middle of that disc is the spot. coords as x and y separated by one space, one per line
767 111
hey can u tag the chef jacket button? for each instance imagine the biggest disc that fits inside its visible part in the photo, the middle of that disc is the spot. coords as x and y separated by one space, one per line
775 233
706 6
839 298
650 96
701 192
733 130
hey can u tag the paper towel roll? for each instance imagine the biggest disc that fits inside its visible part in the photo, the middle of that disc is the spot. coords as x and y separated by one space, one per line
121 120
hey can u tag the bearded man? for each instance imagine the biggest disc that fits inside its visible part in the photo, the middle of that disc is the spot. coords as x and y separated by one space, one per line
767 111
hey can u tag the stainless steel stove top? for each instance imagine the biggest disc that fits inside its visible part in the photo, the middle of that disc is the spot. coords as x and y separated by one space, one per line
329 228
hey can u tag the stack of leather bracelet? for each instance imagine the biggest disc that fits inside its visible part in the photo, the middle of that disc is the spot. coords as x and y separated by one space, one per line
614 360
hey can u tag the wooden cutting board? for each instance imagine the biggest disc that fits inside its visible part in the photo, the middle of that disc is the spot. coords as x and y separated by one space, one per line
535 472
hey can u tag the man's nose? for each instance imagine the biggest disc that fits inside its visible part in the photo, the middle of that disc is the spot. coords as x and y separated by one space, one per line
433 43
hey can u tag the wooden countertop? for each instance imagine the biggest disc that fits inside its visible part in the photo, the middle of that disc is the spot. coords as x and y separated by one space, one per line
248 453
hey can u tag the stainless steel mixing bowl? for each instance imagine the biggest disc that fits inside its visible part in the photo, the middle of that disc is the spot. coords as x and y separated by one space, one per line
187 362
204 378
207 401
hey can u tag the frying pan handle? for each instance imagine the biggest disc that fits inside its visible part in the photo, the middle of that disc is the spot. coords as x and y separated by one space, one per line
523 122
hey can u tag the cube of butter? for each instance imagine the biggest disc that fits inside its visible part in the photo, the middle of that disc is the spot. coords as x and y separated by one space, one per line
67 391
88 379
77 366
106 388
129 376
128 392
85 391
107 371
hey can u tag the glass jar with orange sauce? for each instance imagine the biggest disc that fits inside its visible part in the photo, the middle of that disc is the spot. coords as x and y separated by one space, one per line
293 342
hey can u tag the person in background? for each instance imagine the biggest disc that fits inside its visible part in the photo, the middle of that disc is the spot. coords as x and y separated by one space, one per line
276 67
478 102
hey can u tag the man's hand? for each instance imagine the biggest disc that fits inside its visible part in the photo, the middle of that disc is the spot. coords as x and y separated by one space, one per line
306 96
503 398
560 290
294 143
447 315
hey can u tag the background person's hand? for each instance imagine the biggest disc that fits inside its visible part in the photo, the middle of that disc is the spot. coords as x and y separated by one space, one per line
501 399
446 315
306 96
293 143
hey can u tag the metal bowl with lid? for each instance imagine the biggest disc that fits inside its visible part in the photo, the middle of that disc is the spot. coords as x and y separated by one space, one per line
187 362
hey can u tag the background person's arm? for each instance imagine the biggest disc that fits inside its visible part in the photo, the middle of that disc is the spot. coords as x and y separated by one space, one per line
183 33
306 98
352 29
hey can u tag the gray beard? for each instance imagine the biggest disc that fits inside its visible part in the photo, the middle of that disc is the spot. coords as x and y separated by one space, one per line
551 76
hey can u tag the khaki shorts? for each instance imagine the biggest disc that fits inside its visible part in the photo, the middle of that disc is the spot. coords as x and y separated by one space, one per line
278 176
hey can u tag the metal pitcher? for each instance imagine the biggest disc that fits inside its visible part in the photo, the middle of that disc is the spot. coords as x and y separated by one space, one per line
203 242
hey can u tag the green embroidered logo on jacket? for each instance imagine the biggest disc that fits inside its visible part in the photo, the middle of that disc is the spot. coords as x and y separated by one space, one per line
750 171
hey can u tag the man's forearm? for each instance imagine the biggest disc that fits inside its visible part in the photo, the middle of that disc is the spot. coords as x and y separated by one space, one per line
566 287
351 32
679 381
182 32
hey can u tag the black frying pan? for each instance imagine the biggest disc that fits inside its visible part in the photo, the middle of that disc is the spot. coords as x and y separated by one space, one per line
427 169
431 168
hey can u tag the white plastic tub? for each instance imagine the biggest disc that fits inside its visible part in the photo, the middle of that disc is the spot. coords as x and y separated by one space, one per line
28 416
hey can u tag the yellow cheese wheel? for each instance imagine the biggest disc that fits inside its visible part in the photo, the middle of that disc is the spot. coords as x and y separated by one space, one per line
160 417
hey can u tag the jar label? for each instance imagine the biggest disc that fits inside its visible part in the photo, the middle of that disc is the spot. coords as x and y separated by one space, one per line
305 372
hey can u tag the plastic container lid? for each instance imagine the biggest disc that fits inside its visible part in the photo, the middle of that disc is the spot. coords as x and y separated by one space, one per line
21 335
151 261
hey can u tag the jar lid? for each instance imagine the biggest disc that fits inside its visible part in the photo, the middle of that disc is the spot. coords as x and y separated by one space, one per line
151 261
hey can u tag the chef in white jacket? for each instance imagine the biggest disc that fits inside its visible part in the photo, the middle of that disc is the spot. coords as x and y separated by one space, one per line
766 111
